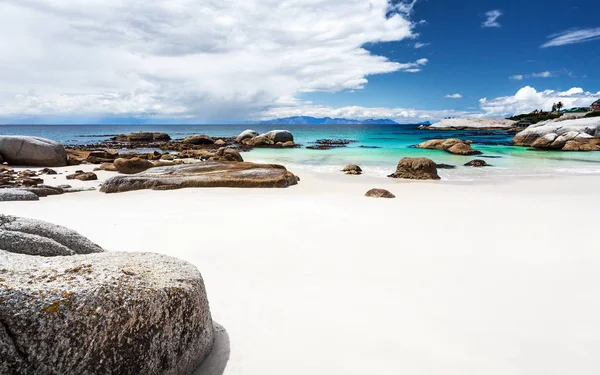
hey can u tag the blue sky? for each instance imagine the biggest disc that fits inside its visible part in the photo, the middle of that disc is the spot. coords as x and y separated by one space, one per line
218 61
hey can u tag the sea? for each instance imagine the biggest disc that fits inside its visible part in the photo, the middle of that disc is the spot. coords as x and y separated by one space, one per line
376 148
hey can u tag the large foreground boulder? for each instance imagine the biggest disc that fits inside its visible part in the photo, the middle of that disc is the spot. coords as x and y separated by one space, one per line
32 151
11 194
416 169
100 313
205 174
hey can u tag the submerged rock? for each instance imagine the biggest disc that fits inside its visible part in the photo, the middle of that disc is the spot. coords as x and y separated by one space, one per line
97 313
379 193
205 174
34 151
416 169
477 163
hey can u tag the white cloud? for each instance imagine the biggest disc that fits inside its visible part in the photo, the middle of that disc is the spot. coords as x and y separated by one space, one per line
358 112
421 45
524 101
542 75
492 18
454 96
528 99
203 59
518 77
572 36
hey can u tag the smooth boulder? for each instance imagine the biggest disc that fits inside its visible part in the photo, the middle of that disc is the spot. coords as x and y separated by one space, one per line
282 136
33 151
246 134
416 169
352 169
205 174
452 145
132 166
568 135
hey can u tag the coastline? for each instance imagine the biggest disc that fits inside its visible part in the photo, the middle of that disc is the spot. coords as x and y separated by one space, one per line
395 284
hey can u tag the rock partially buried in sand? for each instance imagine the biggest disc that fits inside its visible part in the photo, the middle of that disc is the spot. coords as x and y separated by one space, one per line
477 163
33 151
352 169
100 313
416 169
83 176
206 174
379 193
11 195
132 166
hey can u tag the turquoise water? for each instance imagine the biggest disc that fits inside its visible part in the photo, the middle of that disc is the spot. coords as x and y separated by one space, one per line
394 142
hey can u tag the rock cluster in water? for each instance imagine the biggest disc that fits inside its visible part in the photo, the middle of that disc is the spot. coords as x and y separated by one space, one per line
69 307
568 135
453 145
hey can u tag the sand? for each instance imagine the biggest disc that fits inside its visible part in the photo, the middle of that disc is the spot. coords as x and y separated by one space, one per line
453 279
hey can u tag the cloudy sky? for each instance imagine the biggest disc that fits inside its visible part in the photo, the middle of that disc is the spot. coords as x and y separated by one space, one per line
219 61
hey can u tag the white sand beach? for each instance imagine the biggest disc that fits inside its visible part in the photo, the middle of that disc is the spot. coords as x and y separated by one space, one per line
448 278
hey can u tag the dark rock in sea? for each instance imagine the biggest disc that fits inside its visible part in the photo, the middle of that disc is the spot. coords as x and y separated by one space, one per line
491 156
206 174
363 146
445 166
327 144
416 169
379 193
200 139
477 163
69 307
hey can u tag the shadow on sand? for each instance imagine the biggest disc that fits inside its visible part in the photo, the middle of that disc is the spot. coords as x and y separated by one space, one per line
216 362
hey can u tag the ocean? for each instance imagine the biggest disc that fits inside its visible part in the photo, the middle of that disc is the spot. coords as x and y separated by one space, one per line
377 149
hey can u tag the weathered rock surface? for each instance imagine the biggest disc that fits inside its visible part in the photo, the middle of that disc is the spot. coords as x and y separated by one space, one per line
246 134
35 237
227 154
352 169
205 174
100 313
569 135
34 151
416 169
200 139
132 166
142 137
15 194
379 193
452 145
477 163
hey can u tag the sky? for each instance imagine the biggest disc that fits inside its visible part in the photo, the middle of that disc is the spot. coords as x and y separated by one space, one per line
225 61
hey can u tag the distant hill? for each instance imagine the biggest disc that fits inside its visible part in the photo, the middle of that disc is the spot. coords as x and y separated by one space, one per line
307 120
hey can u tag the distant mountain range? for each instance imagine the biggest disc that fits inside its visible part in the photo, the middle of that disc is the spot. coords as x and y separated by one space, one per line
307 120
